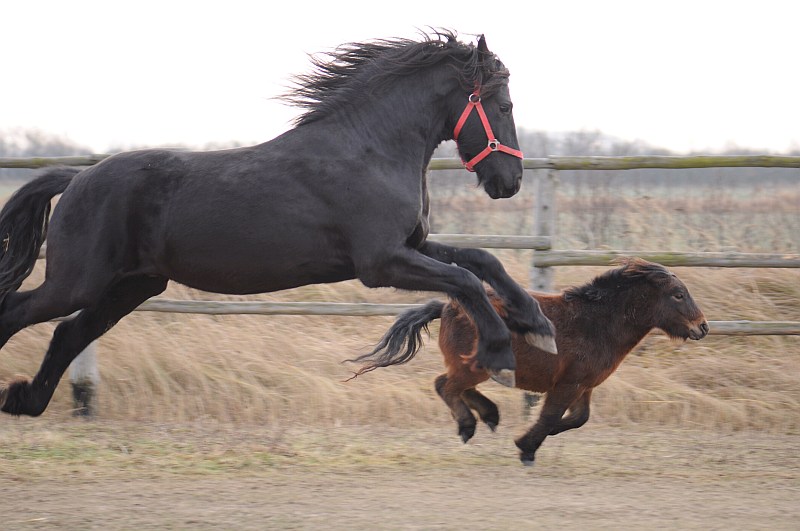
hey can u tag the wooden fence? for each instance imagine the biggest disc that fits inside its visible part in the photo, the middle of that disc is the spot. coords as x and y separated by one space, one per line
84 372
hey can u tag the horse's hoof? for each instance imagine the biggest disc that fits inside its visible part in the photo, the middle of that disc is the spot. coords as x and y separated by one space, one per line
503 377
492 426
526 461
546 343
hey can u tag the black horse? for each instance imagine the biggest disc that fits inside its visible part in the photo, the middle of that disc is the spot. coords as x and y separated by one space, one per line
342 195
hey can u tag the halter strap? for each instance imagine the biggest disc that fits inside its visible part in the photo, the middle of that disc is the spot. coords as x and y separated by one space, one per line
474 102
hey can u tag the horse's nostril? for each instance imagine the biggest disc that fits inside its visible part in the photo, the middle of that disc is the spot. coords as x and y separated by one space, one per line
704 327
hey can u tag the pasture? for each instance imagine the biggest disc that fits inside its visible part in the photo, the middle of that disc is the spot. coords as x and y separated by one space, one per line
246 421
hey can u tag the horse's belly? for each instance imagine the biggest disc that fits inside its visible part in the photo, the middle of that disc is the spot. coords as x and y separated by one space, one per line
254 277
255 244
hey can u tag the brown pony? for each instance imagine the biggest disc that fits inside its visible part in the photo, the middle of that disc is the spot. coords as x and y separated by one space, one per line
597 325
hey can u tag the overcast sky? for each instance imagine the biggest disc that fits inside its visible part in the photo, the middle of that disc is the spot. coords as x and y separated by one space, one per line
684 75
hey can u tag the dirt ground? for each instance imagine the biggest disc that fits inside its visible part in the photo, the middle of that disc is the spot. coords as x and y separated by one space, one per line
104 475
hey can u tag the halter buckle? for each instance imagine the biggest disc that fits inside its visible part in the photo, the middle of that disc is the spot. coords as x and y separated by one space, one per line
494 145
474 98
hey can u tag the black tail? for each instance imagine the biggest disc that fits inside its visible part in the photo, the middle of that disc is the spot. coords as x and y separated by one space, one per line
402 341
23 226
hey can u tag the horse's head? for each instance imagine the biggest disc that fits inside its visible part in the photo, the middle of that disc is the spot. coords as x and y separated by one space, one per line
675 311
485 130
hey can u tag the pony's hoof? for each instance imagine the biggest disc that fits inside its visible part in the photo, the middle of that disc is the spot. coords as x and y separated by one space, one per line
492 426
466 433
526 457
546 343
503 377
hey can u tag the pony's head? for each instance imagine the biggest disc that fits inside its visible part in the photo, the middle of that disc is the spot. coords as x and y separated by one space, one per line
484 125
670 304
652 296
675 311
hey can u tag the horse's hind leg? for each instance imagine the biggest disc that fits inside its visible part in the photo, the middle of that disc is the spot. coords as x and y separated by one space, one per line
20 309
73 336
486 409
450 392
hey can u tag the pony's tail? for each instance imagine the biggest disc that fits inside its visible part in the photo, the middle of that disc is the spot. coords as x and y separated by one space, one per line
402 341
23 226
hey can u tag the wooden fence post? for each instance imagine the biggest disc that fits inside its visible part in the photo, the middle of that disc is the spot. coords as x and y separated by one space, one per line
544 224
84 377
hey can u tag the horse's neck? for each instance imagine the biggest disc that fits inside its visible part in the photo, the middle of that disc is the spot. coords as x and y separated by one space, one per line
409 120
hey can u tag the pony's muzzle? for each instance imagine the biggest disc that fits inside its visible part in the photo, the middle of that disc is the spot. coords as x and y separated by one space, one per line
699 331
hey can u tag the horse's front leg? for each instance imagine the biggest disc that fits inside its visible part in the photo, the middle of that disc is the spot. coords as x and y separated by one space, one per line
555 405
524 314
407 269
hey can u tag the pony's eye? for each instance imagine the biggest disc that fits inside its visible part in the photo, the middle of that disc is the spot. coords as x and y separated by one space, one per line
504 108
678 296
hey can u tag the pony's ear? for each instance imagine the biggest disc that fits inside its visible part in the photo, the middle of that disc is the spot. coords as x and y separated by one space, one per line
593 294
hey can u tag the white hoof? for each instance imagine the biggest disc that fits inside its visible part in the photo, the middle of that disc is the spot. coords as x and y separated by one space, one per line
546 343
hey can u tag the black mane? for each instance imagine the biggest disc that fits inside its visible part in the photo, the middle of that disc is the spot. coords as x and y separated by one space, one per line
356 68
633 270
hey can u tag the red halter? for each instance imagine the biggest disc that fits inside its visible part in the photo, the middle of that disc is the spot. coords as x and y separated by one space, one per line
474 102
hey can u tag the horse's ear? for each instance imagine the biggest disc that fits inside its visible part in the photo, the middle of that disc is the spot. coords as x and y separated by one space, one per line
482 48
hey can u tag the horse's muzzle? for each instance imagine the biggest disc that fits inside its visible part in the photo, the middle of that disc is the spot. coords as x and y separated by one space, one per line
498 188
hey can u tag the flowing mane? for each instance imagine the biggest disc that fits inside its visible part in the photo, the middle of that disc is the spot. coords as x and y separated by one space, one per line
617 280
341 76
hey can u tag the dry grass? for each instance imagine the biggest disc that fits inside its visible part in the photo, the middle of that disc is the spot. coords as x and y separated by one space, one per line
287 369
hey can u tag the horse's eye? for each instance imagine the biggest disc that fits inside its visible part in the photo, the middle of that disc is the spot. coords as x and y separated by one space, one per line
678 296
505 108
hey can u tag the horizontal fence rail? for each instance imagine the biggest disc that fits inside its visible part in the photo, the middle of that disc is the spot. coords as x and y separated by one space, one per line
367 309
549 258
487 241
547 163
725 259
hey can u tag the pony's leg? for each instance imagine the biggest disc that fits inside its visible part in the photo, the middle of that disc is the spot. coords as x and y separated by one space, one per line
578 414
71 338
555 405
486 409
450 392
524 314
410 270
